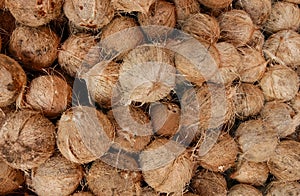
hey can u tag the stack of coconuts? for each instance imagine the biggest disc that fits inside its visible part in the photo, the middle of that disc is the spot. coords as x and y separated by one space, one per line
149 97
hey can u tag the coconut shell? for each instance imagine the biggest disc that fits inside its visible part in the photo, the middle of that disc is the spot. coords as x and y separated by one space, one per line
83 194
90 15
249 100
283 188
257 140
209 184
185 9
62 175
257 41
253 65
216 4
251 173
202 27
244 189
12 80
279 83
36 48
142 6
10 178
236 27
283 16
285 164
35 13
27 140
78 138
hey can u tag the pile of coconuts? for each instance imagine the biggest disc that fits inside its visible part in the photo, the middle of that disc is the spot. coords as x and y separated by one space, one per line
150 97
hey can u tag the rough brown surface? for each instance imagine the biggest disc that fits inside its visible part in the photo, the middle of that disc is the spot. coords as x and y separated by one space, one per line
243 190
10 178
132 6
216 4
257 40
185 9
283 188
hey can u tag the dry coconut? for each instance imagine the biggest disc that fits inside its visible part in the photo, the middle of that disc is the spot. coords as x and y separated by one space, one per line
259 10
216 4
279 83
285 162
78 138
27 140
185 9
243 190
49 94
165 118
76 54
284 16
251 173
253 65
142 6
249 100
12 80
203 27
257 41
166 166
236 27
283 48
36 48
295 103
35 13
209 184
90 15
10 178
162 14
283 188
7 26
146 70
257 140
57 176
83 194
221 156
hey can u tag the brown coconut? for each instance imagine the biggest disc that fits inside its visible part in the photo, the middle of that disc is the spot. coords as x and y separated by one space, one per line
283 188
27 140
185 9
259 10
82 193
295 103
36 48
7 26
57 176
253 65
236 27
221 156
257 41
257 140
249 100
132 6
90 15
284 16
293 1
285 162
209 184
80 131
12 80
243 190
35 13
203 27
216 4
251 173
10 178
279 83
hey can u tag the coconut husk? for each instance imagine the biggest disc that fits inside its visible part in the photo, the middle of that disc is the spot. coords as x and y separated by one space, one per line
185 9
293 1
257 41
7 26
244 189
284 164
295 103
83 194
216 4
142 6
277 188
10 178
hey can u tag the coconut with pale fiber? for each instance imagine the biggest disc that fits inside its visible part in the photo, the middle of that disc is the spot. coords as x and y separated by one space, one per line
277 188
185 9
142 6
244 189
293 1
10 178
216 4
295 103
257 41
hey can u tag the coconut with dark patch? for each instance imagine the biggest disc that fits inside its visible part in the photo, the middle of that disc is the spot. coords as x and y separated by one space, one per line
36 48
244 189
257 41
142 6
277 188
216 4
12 80
285 162
185 9
10 178
7 26
27 140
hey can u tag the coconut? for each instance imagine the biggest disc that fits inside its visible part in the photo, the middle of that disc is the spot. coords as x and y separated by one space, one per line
132 6
78 138
279 83
259 10
257 140
7 26
36 48
10 178
236 27
284 16
90 15
209 184
216 4
62 175
293 1
257 40
250 172
82 193
221 156
12 80
295 103
285 162
253 65
185 9
35 13
27 140
203 27
283 47
249 100
244 189
283 188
